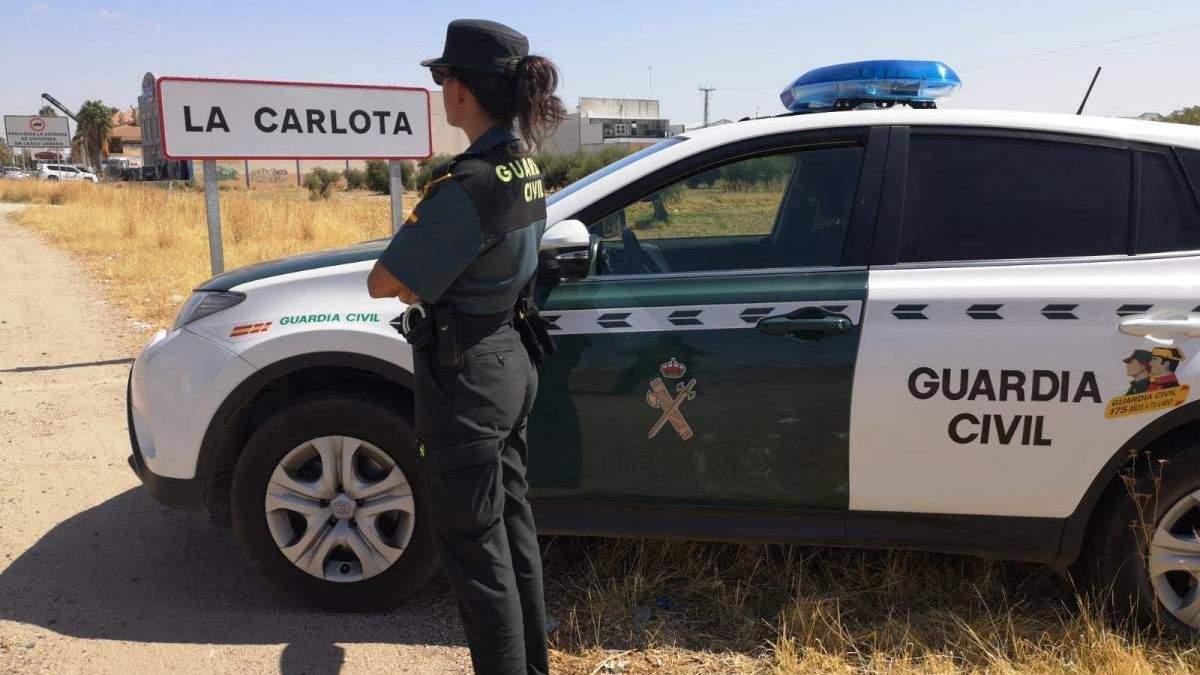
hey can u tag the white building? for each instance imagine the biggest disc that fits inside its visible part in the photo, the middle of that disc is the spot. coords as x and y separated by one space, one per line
602 121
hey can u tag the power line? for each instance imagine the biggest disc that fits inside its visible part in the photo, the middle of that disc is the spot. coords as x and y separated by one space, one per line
1069 51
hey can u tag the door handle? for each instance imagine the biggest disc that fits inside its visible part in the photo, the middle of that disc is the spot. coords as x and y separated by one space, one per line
1145 325
806 323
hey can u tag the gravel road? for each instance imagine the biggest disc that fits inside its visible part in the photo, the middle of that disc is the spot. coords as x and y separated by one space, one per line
95 576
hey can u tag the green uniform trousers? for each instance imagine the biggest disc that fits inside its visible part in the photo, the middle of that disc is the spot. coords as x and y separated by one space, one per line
471 423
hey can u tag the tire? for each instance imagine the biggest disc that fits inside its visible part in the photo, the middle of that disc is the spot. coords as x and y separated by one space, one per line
349 582
1119 556
52 178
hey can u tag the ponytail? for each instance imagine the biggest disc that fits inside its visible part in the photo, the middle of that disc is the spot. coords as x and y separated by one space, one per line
525 94
539 110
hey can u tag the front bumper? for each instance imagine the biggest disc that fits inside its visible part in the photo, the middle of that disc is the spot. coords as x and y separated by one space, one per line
176 385
178 493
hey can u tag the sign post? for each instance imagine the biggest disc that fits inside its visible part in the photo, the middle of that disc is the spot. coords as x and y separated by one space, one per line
212 208
213 119
396 192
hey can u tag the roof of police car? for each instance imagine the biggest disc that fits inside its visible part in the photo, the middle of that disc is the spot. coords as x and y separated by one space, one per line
1111 127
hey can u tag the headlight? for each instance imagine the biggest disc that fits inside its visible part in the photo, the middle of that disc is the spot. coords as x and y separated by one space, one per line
205 303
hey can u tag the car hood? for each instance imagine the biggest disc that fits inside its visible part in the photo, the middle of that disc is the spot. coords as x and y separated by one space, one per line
367 250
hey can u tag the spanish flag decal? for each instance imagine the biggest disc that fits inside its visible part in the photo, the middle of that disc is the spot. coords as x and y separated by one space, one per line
250 329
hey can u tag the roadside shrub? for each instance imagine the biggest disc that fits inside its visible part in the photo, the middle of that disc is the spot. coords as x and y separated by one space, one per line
356 179
587 161
377 180
555 169
319 183
761 172
704 180
377 177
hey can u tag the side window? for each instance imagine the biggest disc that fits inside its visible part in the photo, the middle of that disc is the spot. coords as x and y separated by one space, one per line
1164 223
1190 159
785 210
991 198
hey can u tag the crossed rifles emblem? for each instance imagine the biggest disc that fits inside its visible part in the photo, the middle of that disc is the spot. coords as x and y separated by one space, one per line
660 398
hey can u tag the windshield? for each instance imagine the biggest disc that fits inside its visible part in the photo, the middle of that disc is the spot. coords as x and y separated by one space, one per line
601 173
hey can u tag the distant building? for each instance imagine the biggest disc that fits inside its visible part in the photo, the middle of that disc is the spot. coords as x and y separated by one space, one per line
604 121
447 140
125 139
154 164
1151 117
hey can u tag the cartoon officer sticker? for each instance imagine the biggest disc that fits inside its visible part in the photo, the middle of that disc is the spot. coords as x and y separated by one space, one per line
1152 383
1163 362
1137 367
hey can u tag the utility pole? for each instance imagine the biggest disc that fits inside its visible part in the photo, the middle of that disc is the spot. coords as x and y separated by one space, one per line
706 91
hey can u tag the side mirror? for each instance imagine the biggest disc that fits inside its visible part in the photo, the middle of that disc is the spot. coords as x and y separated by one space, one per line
565 250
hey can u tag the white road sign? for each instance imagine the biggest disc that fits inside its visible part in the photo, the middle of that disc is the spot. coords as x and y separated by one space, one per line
33 131
245 119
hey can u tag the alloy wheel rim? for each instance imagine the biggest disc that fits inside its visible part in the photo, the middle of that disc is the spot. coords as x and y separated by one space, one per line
340 508
1174 560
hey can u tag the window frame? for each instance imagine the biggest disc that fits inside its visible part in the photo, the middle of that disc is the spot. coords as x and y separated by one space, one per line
860 230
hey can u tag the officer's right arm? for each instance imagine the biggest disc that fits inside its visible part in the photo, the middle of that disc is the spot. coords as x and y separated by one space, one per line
437 244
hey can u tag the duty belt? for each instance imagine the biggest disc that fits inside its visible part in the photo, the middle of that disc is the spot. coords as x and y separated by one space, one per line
448 330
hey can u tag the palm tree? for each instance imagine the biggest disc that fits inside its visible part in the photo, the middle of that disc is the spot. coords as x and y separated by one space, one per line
95 124
47 111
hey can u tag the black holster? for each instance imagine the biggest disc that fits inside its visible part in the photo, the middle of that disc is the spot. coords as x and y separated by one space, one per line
533 329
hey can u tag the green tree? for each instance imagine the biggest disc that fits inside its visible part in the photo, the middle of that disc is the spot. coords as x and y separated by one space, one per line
6 154
47 111
1186 115
95 124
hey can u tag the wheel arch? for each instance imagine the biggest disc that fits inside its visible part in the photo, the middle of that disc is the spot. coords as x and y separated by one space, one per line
1164 433
272 387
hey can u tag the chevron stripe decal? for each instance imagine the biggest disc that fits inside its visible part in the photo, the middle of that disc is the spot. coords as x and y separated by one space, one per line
680 318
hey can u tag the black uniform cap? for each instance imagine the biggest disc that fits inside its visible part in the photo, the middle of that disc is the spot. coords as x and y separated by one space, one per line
485 46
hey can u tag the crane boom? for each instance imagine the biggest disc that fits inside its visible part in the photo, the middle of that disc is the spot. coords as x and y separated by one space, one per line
54 102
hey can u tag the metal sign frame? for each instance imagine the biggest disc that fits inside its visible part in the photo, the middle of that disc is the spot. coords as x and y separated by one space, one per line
9 131
212 204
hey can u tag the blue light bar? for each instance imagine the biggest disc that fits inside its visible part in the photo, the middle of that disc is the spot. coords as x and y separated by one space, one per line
917 83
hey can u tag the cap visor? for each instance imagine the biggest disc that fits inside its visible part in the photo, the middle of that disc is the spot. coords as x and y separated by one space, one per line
436 61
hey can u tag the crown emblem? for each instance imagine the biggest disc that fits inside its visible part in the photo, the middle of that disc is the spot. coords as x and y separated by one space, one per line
672 369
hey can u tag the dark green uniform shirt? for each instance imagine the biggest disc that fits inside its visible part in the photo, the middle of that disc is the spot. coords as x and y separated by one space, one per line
472 241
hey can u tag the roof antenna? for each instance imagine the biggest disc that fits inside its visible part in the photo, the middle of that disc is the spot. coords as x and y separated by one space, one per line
1089 91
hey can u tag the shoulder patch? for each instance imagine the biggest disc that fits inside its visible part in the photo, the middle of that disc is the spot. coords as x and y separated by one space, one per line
433 185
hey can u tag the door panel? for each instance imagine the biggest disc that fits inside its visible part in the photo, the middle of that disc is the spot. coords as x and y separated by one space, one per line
664 387
1003 389
769 417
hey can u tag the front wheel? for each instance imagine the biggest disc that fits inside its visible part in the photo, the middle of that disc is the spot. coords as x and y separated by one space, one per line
327 505
1150 564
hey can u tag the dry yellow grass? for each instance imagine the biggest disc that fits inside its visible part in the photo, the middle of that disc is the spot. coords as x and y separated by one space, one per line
149 246
636 606
652 607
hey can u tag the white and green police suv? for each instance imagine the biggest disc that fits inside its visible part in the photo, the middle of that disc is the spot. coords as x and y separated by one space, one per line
902 327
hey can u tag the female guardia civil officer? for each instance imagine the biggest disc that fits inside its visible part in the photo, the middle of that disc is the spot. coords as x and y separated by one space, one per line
465 255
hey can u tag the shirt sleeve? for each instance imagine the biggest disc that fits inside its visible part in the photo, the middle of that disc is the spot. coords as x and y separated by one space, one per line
431 250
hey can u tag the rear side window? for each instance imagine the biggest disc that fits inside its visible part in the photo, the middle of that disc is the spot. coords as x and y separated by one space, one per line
1164 220
1191 165
992 198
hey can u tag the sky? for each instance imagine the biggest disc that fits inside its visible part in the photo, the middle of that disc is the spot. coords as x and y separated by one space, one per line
1012 55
